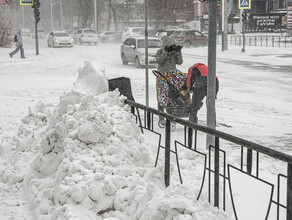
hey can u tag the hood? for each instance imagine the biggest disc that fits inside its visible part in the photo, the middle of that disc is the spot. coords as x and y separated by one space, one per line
19 31
167 41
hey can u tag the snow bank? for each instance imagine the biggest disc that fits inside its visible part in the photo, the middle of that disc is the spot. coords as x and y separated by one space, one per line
86 159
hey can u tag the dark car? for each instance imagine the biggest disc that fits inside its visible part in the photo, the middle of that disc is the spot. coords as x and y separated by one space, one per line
190 38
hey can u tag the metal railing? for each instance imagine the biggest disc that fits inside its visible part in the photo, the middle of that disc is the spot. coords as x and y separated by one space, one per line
220 171
263 41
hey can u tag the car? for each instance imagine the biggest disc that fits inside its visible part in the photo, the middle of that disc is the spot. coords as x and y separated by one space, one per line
133 50
190 38
26 32
59 39
41 34
109 36
132 32
85 36
160 34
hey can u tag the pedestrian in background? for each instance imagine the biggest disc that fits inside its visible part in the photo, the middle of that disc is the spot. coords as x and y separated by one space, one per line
19 44
167 57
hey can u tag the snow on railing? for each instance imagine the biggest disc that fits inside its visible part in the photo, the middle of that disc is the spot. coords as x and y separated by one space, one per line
241 178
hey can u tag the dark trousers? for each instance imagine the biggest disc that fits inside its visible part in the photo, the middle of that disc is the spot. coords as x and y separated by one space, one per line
19 47
198 96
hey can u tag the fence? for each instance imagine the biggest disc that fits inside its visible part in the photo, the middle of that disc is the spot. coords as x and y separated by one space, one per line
219 172
263 41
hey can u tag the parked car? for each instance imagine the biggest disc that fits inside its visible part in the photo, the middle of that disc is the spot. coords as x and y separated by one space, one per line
132 32
25 32
85 36
41 34
59 39
160 34
133 50
190 38
109 36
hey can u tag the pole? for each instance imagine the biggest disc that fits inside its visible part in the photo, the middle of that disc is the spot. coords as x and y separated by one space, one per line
95 16
52 22
243 30
146 53
222 26
61 15
36 38
22 17
225 25
146 63
211 81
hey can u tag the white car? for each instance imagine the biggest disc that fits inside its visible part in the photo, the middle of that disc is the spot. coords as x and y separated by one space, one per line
85 36
132 32
41 34
59 39
133 50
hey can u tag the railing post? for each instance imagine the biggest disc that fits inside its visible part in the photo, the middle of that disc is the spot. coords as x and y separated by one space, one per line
167 153
249 161
273 41
190 137
216 173
148 120
289 192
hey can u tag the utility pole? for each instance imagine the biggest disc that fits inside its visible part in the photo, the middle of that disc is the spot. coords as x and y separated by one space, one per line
211 80
61 15
52 21
224 26
95 16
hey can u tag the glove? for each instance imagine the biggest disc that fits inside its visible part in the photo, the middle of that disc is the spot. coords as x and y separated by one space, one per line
178 48
167 48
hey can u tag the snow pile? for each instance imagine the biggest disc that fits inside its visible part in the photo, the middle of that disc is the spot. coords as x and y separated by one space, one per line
88 160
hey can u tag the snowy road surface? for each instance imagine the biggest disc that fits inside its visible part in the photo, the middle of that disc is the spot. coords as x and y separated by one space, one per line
254 101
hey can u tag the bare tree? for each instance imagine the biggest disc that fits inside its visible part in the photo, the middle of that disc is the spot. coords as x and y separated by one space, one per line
5 31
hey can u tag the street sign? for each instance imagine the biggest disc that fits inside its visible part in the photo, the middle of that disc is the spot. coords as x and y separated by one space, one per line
26 2
244 4
3 2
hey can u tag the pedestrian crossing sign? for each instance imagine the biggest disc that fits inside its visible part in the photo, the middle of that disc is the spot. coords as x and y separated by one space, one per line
26 2
244 4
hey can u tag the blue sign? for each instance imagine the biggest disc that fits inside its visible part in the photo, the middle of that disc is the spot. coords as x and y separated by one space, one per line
26 2
244 4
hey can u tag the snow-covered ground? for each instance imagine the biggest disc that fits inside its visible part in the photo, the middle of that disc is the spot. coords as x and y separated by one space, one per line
68 154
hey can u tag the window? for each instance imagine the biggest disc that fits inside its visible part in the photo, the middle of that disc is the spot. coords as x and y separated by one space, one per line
128 42
282 4
61 34
89 32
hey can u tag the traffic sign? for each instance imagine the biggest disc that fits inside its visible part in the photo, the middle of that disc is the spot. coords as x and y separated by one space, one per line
244 4
26 2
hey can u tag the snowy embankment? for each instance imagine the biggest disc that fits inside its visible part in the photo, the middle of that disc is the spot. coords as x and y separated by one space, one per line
86 159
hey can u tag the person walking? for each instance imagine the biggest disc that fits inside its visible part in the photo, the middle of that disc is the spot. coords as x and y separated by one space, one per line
19 44
167 57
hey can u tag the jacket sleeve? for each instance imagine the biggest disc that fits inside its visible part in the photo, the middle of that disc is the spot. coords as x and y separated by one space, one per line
179 58
161 56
